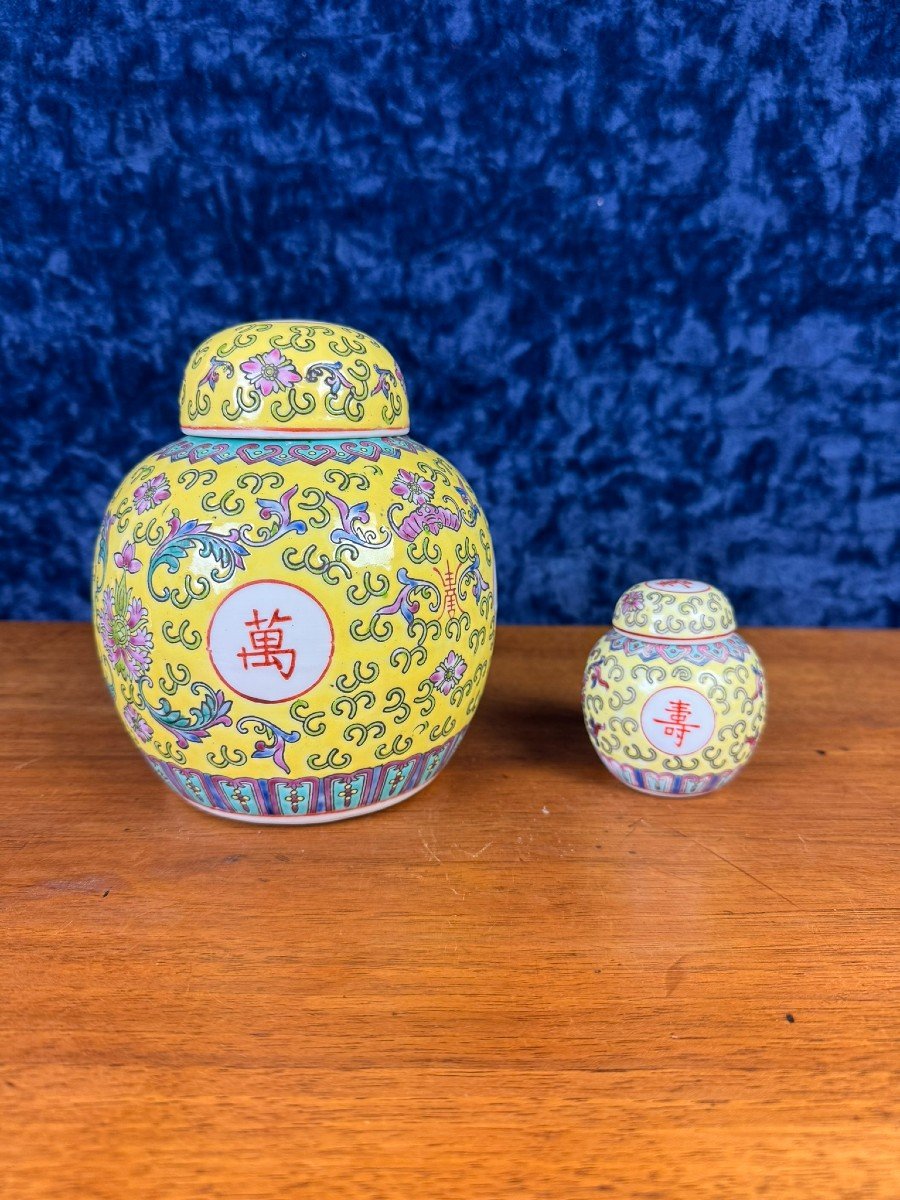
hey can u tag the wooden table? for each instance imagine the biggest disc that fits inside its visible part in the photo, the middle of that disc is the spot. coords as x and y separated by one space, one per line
525 982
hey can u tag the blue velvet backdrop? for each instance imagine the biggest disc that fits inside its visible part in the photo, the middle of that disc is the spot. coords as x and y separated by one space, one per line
638 262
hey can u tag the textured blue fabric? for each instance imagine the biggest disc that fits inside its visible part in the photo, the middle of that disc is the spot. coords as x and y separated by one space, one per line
637 261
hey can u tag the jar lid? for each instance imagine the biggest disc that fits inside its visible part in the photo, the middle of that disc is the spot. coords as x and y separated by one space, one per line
288 379
674 610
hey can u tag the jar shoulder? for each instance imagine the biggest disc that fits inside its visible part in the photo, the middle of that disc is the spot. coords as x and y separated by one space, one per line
389 469
716 655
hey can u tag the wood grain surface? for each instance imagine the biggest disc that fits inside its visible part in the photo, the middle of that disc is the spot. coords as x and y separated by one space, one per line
527 981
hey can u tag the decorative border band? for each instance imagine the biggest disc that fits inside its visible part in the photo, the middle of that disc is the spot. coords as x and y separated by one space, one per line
311 451
720 649
307 797
665 782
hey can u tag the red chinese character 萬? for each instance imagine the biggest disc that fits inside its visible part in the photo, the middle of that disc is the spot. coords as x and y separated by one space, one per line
267 648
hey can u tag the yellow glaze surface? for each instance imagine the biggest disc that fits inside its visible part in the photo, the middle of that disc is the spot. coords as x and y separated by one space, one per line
671 715
289 378
295 629
675 610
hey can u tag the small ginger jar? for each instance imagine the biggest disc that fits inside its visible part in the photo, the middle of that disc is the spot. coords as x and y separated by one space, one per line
674 699
295 601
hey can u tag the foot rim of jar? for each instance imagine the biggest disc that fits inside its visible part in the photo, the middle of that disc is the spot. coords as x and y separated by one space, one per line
659 794
304 818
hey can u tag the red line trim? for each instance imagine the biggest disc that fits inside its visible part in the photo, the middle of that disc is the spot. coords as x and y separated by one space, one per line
330 430
660 637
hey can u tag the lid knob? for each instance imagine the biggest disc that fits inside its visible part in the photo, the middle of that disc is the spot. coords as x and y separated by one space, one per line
292 379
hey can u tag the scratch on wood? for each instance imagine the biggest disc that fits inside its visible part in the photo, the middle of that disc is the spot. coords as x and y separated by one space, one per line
722 858
427 848
27 763
674 975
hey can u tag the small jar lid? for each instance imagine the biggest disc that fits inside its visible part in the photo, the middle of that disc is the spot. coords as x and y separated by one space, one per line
290 379
674 610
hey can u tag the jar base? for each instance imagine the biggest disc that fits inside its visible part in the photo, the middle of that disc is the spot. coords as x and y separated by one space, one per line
312 800
660 795
666 783
305 818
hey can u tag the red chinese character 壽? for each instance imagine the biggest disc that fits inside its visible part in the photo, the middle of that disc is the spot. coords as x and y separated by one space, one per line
677 725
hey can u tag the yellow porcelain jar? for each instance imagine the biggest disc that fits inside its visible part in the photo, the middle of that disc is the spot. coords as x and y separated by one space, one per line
674 699
295 602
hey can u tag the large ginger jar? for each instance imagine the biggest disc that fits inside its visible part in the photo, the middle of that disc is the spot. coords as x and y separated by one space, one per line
295 602
674 698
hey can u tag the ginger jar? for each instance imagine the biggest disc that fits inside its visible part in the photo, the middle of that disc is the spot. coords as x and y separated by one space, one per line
674 699
295 601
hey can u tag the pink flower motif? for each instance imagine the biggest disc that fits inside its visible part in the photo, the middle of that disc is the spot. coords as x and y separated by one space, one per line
632 601
125 559
270 372
137 724
448 673
412 487
154 491
123 632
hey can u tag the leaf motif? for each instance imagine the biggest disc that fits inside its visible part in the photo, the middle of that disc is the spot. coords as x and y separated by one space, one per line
212 709
169 555
223 549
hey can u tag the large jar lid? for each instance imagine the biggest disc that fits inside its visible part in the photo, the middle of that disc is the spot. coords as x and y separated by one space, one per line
288 379
675 610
